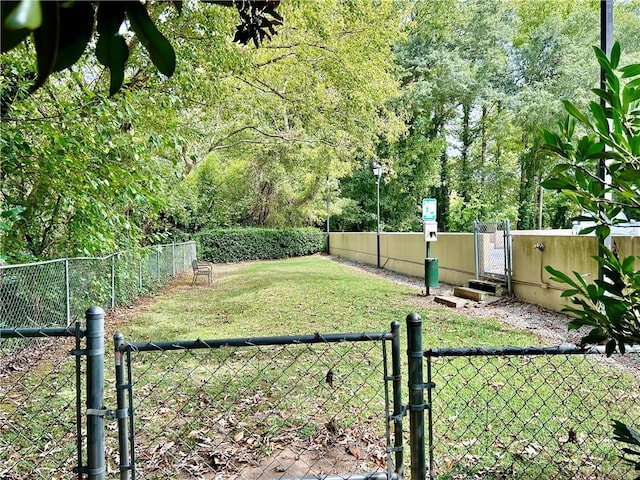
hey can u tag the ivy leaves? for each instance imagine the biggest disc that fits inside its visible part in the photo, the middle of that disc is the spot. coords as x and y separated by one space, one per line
62 30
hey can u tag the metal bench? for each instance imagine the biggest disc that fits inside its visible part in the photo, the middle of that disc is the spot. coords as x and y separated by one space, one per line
200 269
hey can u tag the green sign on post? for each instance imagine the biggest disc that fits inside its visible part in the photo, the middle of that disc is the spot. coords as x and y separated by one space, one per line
429 217
429 210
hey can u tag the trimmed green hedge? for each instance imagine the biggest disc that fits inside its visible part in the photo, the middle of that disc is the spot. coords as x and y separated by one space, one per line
239 244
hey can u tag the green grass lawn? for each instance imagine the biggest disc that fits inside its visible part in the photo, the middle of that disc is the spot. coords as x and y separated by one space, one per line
315 294
202 413
304 296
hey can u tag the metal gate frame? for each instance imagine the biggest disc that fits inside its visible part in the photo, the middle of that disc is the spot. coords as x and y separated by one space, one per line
93 416
125 394
421 433
493 261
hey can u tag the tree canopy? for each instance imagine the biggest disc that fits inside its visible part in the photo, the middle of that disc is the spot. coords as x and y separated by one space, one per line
107 144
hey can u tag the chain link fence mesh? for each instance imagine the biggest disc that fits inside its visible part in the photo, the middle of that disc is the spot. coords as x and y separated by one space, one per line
57 293
531 417
284 411
38 427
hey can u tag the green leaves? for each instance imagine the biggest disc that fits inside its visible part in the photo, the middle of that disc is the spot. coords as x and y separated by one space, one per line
111 48
160 50
609 305
62 30
625 434
574 112
27 14
18 19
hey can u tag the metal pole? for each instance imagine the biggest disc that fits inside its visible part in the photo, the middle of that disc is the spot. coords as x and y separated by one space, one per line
606 42
328 217
476 246
378 217
396 371
66 290
113 282
123 409
416 397
507 253
79 440
430 419
173 259
95 393
426 270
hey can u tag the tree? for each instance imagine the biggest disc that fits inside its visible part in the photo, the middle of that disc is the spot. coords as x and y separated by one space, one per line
607 137
62 30
301 110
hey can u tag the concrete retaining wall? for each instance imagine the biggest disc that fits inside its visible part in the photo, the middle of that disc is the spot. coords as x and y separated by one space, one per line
405 253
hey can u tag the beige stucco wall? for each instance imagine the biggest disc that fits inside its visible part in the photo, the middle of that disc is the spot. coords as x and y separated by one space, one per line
531 281
405 253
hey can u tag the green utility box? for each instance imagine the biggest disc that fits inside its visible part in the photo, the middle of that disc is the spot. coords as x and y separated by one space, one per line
431 272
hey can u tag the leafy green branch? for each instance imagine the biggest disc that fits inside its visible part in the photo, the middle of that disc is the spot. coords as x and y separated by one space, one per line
62 30
600 172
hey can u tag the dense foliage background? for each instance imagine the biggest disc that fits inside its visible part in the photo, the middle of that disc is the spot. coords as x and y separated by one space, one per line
448 95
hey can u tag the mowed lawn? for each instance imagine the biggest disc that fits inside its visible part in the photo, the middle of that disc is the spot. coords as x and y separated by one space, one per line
302 296
542 417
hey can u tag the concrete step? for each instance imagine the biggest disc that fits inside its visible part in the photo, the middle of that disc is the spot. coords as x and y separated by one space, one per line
450 301
471 293
486 286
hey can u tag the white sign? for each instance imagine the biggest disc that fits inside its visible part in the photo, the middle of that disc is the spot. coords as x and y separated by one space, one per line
429 210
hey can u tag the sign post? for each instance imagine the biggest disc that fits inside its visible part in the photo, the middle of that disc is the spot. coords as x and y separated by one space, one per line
429 219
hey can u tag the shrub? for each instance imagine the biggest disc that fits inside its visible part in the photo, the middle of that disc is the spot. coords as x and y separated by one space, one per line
239 244
610 305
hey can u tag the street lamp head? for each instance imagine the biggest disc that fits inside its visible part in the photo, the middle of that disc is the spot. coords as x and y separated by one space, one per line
377 169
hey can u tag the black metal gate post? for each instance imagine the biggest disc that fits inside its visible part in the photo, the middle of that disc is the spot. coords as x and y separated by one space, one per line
95 394
123 412
416 398
395 467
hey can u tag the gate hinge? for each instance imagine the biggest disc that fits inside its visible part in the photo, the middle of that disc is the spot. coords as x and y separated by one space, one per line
420 408
422 386
89 471
85 352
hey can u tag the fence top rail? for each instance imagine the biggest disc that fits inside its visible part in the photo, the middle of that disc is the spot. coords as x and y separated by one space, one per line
44 262
188 242
55 260
513 351
257 341
70 331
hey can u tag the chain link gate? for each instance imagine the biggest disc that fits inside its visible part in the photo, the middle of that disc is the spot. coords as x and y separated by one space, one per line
271 407
518 412
41 410
492 249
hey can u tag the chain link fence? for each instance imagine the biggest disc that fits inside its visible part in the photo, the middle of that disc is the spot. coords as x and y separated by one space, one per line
57 292
492 250
511 414
281 408
39 405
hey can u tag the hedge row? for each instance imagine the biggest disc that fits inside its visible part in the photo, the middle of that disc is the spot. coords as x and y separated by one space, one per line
239 244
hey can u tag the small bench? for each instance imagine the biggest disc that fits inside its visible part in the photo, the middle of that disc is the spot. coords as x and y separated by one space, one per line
200 269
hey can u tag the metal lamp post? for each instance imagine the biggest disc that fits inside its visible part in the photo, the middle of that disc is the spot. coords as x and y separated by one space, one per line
377 172
328 217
